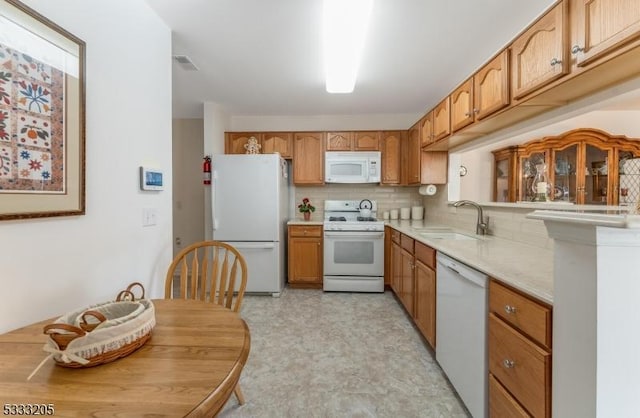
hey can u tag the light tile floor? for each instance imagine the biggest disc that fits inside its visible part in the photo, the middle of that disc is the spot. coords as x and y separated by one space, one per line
316 354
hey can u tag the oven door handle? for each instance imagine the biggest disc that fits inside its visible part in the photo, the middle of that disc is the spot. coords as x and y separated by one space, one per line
354 234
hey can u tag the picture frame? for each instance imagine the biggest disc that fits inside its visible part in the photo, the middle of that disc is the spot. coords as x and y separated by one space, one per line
42 116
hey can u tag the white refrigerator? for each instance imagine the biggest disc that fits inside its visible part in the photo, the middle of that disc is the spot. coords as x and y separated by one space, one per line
250 194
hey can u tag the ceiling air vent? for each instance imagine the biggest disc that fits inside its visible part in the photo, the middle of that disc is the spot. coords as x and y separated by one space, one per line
185 62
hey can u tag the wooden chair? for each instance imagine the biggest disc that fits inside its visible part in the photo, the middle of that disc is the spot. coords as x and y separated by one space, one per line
208 271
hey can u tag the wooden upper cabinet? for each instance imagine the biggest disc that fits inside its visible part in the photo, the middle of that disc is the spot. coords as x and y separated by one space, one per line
235 141
462 106
353 141
491 86
540 55
426 130
412 155
603 26
366 141
391 150
441 120
281 142
339 141
308 158
433 167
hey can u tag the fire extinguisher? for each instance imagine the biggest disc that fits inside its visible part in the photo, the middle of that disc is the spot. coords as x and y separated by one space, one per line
206 170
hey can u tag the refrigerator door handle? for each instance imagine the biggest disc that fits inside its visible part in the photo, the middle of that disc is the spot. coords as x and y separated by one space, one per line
214 180
256 246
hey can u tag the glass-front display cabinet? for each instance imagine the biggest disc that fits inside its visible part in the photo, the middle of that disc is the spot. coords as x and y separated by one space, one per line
583 166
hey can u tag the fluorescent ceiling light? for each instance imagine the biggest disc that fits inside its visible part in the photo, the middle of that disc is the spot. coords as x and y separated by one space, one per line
345 25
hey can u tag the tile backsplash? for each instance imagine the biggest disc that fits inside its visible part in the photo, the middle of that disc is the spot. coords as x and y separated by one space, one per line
388 197
508 223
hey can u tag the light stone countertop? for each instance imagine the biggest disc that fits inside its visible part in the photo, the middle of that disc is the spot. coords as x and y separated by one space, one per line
303 222
525 267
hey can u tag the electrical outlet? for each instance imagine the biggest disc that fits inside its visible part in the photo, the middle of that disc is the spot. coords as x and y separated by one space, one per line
178 242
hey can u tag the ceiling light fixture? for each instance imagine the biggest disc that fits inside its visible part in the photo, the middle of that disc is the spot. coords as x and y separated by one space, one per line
345 25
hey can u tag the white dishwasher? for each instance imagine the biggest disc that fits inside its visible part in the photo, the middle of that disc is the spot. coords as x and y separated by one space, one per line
461 330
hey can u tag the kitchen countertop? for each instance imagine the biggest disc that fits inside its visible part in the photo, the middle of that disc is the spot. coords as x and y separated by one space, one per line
525 267
303 222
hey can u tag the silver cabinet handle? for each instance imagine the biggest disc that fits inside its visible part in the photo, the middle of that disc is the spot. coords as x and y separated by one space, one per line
509 309
575 49
509 364
555 62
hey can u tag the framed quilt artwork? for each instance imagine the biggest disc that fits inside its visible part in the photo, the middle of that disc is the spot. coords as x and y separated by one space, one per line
42 144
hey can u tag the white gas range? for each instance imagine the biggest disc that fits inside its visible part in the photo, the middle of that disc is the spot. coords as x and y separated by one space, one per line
353 247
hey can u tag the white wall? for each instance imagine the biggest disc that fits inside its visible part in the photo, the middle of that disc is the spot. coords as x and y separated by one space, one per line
50 266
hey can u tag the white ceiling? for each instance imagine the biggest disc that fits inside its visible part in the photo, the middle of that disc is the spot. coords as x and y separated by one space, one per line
264 57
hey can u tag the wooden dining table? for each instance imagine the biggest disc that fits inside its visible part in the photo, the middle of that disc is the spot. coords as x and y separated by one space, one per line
189 367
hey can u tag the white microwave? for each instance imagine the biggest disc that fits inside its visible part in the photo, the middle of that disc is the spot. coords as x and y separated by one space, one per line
352 167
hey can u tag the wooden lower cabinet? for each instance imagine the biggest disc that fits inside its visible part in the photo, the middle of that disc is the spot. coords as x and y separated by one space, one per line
305 256
413 280
519 353
425 292
501 403
407 279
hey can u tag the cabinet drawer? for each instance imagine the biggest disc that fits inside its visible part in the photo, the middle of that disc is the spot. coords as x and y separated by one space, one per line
501 403
530 317
305 231
407 243
395 236
521 366
425 254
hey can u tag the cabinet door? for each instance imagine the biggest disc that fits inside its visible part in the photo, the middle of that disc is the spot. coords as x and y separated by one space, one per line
236 141
391 142
598 184
387 256
505 174
462 106
433 167
406 278
366 141
441 121
491 86
339 141
305 260
396 268
426 130
281 142
567 186
539 55
308 158
412 155
425 307
603 26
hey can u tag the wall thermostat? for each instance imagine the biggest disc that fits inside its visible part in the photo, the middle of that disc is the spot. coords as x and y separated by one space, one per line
151 179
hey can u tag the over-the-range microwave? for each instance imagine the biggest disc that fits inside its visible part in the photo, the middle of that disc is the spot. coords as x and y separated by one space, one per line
352 167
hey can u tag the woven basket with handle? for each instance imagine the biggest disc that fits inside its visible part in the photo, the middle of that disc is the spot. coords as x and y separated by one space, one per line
101 333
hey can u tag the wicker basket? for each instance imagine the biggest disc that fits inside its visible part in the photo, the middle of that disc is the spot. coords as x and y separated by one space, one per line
101 333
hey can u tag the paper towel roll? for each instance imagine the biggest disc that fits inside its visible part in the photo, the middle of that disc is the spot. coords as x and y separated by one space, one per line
428 190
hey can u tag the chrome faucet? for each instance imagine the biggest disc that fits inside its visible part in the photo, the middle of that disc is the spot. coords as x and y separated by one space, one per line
482 224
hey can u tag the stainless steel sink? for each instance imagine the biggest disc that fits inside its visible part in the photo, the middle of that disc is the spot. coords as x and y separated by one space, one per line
448 235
